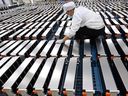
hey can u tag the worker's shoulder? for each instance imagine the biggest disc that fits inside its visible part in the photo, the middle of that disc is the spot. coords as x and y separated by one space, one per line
82 8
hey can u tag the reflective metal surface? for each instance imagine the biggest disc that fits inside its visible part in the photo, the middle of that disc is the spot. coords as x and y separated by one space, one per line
27 36
5 33
116 31
56 77
45 33
11 48
109 14
6 46
107 75
87 76
120 15
4 60
17 73
125 29
15 34
65 48
46 48
23 33
58 32
20 47
41 23
32 71
37 48
45 68
3 43
112 47
63 23
122 21
61 15
18 26
12 26
8 65
27 25
107 22
115 22
100 48
55 50
105 16
123 46
26 48
52 25
123 13
75 49
43 74
33 25
44 25
87 47
70 75
64 17
122 71
108 33
37 33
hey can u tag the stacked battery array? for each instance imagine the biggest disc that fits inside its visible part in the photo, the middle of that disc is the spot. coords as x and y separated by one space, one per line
33 64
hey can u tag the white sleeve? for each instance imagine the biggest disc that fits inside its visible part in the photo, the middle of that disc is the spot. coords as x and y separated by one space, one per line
76 21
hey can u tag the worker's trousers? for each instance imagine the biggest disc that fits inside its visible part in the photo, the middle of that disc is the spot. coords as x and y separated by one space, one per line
87 33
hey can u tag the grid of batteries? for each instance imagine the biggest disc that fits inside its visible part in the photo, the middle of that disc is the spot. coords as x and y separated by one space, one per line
31 62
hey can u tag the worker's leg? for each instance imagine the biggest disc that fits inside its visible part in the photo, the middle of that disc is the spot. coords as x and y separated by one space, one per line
81 34
93 33
86 33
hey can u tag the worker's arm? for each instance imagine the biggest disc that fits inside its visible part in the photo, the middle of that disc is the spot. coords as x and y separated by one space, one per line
65 38
62 40
76 24
76 21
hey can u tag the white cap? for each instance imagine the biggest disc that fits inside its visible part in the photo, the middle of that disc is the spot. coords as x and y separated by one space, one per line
69 6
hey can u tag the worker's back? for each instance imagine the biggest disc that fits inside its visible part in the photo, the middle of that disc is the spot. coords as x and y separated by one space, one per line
89 18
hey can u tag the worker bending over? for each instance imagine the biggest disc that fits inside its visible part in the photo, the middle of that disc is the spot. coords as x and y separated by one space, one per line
86 24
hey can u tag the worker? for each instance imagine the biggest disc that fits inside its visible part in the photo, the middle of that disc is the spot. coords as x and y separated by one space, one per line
86 24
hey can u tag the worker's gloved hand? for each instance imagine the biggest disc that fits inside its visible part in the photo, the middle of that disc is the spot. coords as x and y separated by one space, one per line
59 41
